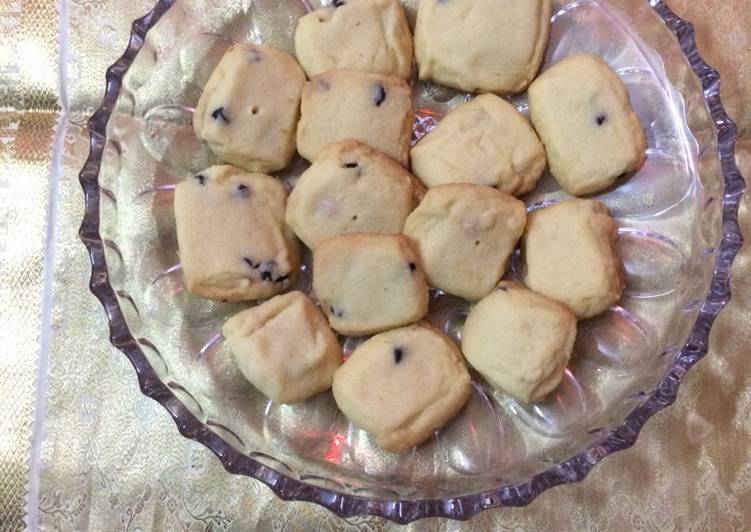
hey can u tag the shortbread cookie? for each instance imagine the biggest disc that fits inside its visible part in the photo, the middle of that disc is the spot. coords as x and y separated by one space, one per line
234 244
343 105
570 256
350 188
484 142
249 109
369 283
466 235
362 35
519 341
582 113
482 45
285 348
403 385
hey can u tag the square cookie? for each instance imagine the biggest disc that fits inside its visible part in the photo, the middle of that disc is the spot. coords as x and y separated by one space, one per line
285 348
520 341
466 235
403 385
343 105
350 188
484 142
482 45
570 256
581 111
369 283
363 35
234 244
249 109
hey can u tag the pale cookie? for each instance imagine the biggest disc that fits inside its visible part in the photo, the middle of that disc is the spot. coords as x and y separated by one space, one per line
343 105
519 341
350 188
285 348
403 385
362 35
482 45
582 113
570 256
484 142
249 109
466 235
234 244
369 283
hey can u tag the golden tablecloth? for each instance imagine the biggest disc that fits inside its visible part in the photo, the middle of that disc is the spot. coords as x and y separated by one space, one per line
110 459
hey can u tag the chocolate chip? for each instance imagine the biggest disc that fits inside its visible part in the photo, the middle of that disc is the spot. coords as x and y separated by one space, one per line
201 179
351 165
250 263
354 218
281 280
398 354
413 267
378 93
477 242
338 3
336 313
220 114
254 56
243 191
601 119
267 270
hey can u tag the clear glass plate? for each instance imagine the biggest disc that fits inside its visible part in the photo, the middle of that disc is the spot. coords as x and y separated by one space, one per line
678 236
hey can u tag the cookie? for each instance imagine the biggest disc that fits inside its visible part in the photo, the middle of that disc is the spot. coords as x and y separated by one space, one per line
249 110
466 235
482 45
519 341
403 385
582 113
234 244
484 142
570 256
350 188
369 283
342 105
362 35
285 348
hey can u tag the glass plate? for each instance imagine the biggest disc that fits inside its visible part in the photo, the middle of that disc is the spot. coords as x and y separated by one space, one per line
678 228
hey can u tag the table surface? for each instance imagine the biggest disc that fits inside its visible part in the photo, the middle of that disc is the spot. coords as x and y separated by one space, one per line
107 458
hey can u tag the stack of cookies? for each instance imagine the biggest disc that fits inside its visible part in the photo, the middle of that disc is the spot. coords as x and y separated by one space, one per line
381 235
